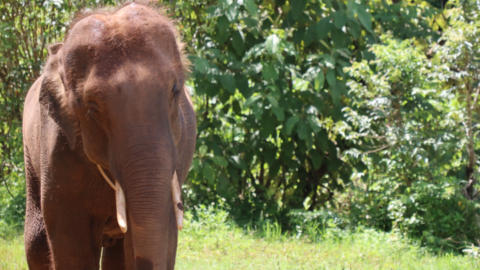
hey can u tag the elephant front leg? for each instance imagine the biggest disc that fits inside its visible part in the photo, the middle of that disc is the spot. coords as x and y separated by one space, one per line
74 236
35 235
36 244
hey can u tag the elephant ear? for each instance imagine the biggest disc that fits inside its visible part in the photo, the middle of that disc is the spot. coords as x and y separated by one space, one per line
53 96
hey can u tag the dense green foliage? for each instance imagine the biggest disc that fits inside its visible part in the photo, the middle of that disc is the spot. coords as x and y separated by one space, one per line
364 110
270 85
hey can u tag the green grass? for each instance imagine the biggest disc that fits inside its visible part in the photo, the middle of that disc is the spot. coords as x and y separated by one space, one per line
12 254
211 242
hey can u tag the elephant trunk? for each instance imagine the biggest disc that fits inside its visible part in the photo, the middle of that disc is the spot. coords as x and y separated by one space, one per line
146 179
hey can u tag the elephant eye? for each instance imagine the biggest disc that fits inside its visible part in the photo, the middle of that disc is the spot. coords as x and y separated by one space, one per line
94 112
175 90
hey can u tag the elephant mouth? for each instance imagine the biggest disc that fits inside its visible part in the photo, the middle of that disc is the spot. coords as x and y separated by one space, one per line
121 206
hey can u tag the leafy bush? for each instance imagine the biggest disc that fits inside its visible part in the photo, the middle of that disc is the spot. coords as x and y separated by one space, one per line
412 126
270 86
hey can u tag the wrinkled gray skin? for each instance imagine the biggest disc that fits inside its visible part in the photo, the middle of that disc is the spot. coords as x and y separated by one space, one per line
112 94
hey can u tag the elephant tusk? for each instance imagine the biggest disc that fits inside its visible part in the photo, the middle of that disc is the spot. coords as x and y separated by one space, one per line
120 201
106 177
121 213
177 201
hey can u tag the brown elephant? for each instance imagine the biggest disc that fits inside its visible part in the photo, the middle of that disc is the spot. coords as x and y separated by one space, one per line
111 100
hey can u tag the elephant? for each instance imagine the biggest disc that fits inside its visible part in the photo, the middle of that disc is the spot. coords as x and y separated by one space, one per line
109 133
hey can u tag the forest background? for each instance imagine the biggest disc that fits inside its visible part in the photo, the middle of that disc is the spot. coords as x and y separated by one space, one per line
325 112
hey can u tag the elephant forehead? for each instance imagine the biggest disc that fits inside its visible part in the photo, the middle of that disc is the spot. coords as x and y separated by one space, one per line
130 33
134 46
133 26
131 76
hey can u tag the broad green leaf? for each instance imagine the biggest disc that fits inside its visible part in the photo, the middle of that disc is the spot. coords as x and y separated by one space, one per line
354 29
272 44
223 23
324 27
197 165
203 150
202 65
250 22
209 173
251 100
238 42
319 81
316 158
220 161
231 12
223 185
239 162
339 38
291 123
221 36
336 94
269 72
331 79
298 35
351 9
228 82
302 130
241 83
251 7
365 18
289 48
314 123
309 141
278 111
339 18
297 8
267 125
329 61
255 51
258 110
272 100
334 164
311 73
310 35
253 69
214 11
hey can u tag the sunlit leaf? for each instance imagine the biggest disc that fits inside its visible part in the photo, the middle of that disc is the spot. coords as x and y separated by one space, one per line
319 81
272 44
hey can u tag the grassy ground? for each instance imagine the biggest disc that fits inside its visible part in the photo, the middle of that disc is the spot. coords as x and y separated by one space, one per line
12 255
212 243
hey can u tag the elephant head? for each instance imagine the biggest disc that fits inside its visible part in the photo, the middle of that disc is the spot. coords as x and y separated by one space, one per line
113 87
